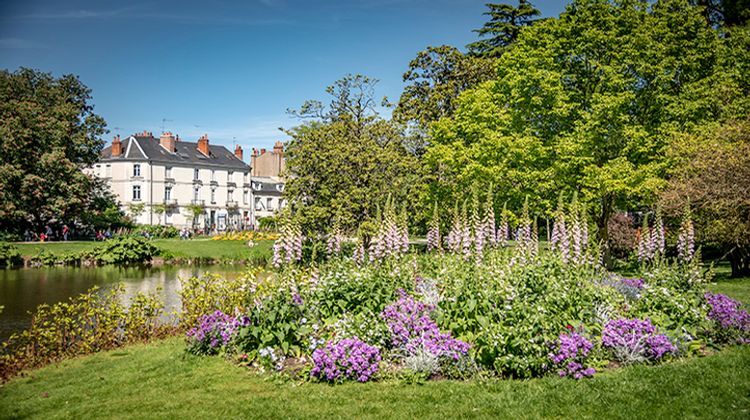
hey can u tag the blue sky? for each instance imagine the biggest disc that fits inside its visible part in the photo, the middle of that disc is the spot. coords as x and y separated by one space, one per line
229 69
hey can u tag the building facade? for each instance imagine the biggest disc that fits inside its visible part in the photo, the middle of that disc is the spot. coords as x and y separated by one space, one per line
267 182
179 183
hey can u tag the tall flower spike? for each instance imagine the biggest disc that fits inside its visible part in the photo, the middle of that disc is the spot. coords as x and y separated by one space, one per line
686 237
489 219
433 233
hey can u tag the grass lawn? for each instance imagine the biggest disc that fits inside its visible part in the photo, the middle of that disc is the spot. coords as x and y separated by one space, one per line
194 248
160 380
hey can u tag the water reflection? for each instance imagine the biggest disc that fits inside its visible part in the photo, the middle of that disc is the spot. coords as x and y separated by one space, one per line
22 290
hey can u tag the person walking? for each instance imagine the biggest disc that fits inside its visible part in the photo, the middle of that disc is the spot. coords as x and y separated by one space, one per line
65 232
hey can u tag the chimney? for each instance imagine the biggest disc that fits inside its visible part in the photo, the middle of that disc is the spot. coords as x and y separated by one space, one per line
116 146
255 152
203 145
238 152
278 148
167 141
262 151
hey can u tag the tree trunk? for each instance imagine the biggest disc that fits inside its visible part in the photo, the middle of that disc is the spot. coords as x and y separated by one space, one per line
739 259
602 231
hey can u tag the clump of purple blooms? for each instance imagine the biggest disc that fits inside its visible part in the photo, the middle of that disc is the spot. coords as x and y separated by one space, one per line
213 332
631 288
570 355
349 358
412 329
728 314
635 340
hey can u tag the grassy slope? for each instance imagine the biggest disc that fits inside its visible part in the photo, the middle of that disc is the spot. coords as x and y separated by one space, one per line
160 380
194 248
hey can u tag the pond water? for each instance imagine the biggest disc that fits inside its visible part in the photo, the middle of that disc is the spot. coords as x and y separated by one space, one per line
22 290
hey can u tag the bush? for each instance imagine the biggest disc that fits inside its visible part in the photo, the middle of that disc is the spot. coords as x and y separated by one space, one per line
214 332
10 256
86 324
731 322
635 340
123 250
157 231
622 234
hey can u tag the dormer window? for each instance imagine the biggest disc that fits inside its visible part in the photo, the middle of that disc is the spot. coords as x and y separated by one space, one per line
137 169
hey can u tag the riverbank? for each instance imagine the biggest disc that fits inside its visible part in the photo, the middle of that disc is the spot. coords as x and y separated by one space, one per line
174 251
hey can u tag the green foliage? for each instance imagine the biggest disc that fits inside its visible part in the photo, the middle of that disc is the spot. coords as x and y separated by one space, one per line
123 250
590 101
359 159
207 294
505 23
49 134
158 231
10 256
85 324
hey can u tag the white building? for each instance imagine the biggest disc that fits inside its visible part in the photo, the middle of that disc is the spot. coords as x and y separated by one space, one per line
174 179
267 196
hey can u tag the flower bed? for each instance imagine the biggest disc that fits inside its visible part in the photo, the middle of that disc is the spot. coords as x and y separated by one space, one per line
441 315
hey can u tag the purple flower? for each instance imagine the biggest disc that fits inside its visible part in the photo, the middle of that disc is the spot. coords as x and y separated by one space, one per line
214 331
635 340
728 315
412 329
571 352
350 358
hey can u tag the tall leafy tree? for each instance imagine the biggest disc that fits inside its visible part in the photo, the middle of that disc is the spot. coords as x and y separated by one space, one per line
726 13
506 21
589 102
435 79
346 159
48 134
711 173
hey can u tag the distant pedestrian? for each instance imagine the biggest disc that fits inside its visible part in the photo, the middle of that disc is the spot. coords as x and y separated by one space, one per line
27 236
48 233
65 232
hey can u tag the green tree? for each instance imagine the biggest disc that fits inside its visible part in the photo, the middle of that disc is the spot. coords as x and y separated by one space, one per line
436 77
589 102
506 22
48 134
346 157
712 175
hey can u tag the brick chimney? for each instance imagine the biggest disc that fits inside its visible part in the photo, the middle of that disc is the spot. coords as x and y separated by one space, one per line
167 141
203 145
262 151
238 152
278 148
116 146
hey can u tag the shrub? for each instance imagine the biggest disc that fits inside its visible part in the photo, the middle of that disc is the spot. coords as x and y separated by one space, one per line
732 323
123 250
635 340
622 234
349 358
210 293
570 355
158 231
10 256
85 324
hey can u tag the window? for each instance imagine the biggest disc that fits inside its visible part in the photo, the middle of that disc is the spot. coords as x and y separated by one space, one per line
269 203
244 177
230 195
230 174
282 203
213 175
245 196
196 193
167 193
258 205
213 195
137 170
136 193
168 172
196 174
108 171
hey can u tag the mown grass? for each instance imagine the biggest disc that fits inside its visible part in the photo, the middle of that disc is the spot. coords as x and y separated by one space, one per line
160 380
194 248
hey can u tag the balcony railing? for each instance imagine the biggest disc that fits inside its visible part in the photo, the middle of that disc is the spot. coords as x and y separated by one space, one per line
169 180
198 202
170 202
232 203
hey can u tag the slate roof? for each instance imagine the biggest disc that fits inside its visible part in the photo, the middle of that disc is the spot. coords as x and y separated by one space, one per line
267 185
187 154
